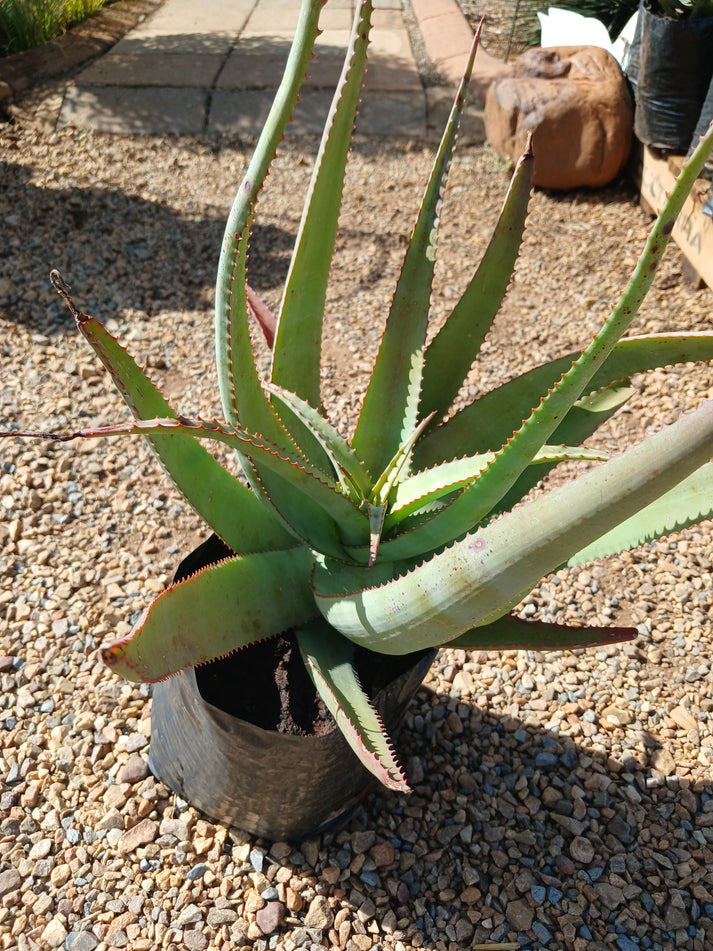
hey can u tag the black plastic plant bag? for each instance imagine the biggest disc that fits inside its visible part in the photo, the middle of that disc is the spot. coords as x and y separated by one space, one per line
675 71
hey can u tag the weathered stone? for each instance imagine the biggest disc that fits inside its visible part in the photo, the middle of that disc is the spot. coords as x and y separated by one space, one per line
362 840
60 875
134 770
382 854
195 940
221 916
295 902
676 914
175 827
663 762
611 895
41 849
54 934
319 914
254 901
10 881
684 718
140 834
189 915
359 942
581 850
270 917
81 941
617 716
520 915
575 101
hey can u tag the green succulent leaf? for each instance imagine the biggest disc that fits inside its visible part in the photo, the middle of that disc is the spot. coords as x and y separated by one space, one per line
397 374
483 576
234 603
393 473
242 395
298 343
329 659
230 508
321 511
452 351
490 421
686 504
345 465
377 513
479 499
420 492
513 633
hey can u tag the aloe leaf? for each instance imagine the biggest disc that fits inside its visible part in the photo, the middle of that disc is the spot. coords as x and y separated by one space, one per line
479 499
232 604
484 575
686 504
229 507
491 420
345 464
392 474
585 417
242 395
265 317
319 505
422 490
329 658
397 375
377 514
452 351
296 354
513 633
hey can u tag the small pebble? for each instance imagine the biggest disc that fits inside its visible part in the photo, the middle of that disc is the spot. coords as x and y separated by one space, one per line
270 916
134 770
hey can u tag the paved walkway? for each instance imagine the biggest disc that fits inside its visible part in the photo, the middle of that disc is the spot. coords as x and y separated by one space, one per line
212 66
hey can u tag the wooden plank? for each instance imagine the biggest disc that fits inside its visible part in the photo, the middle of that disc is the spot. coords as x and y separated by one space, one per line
693 232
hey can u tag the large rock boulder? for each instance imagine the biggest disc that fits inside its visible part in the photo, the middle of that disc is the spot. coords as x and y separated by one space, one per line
576 102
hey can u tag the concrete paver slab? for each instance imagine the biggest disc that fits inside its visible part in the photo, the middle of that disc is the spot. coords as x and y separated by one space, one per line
259 64
137 43
214 65
395 74
158 69
135 110
270 15
382 115
243 112
188 16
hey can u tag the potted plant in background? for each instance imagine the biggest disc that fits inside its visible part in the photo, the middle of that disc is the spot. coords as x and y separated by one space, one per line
671 67
364 554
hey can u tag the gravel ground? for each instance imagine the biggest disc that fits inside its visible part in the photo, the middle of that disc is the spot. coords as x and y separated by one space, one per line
560 802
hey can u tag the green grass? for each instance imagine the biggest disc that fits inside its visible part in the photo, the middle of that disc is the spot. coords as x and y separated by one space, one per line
28 23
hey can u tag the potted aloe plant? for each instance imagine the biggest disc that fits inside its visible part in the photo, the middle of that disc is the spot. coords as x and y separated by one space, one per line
352 560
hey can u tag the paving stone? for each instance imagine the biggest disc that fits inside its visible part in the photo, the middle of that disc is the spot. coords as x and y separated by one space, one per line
181 111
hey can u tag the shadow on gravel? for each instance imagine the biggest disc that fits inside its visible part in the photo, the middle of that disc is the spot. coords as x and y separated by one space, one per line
514 833
117 251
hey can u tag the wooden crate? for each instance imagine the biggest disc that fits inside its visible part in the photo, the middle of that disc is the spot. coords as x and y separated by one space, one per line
693 231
